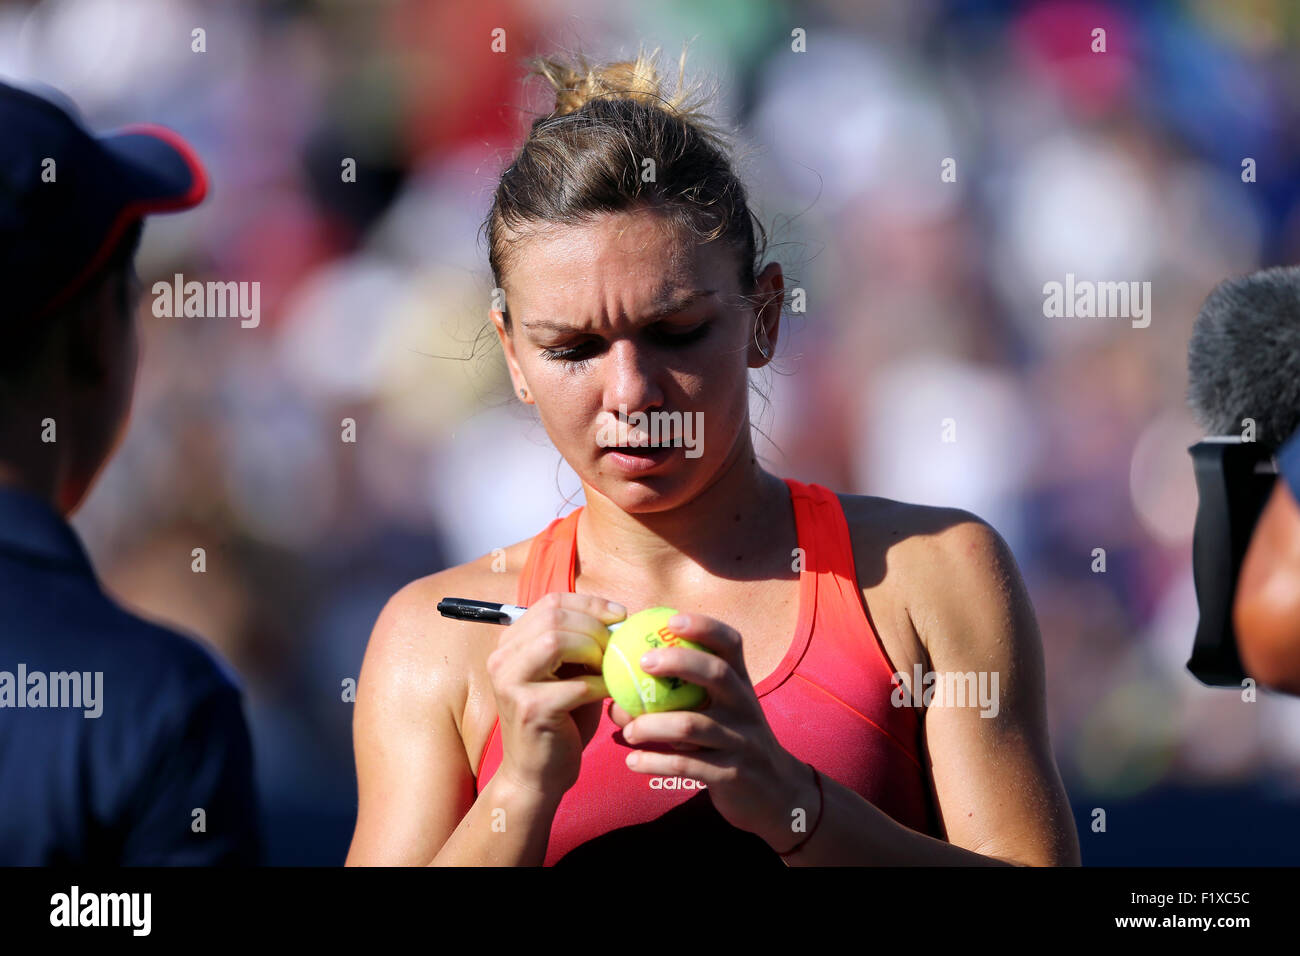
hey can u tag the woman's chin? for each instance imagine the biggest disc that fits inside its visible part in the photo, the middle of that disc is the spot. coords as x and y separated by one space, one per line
641 495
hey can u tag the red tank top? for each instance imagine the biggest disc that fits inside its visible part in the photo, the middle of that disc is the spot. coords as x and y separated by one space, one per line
827 702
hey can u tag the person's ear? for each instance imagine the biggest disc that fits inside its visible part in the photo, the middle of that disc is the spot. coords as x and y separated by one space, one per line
512 363
769 292
96 330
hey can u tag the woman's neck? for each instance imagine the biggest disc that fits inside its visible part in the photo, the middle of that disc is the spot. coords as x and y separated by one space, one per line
733 529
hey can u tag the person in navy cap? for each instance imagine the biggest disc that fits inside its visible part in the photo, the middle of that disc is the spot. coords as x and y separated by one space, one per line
121 742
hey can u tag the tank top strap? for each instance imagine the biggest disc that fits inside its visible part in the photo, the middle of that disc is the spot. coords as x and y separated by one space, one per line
829 556
828 549
550 562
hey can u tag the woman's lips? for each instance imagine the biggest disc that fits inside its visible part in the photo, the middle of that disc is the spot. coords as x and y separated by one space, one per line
633 459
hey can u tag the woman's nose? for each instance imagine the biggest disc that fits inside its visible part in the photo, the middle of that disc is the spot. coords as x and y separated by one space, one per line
631 378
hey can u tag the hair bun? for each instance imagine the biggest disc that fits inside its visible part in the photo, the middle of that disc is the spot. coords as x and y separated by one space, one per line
577 82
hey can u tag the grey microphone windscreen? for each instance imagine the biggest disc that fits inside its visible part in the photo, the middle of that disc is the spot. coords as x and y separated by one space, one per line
1244 357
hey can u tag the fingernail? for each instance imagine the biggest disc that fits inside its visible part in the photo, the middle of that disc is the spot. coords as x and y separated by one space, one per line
615 608
649 659
677 621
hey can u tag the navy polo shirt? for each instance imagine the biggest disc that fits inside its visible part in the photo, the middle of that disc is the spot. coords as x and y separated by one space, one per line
1288 464
113 731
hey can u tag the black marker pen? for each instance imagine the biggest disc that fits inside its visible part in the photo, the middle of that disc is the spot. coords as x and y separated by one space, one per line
487 612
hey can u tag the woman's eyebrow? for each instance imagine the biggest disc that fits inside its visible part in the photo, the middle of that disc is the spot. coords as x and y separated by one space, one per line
663 310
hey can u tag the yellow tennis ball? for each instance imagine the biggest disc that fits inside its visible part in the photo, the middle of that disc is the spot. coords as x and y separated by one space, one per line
632 688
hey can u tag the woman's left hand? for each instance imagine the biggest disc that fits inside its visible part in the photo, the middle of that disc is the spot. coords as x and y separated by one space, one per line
726 743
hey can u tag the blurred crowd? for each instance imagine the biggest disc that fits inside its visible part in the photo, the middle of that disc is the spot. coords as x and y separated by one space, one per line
924 304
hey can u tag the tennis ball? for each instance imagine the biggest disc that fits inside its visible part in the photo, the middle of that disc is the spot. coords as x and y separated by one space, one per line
632 688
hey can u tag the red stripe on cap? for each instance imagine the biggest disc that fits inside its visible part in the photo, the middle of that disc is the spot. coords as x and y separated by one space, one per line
198 189
138 209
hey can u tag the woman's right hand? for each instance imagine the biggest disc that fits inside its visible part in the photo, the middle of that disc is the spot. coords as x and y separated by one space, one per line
542 739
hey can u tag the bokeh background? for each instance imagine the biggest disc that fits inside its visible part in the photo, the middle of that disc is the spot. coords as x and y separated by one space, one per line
924 302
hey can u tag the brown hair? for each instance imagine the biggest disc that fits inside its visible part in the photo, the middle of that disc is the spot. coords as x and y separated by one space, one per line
586 158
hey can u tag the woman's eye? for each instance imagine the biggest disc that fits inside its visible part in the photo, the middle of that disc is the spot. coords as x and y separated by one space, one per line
675 338
578 356
566 355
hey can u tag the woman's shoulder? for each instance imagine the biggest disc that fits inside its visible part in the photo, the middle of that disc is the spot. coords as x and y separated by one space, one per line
493 576
946 564
419 667
412 637
914 527
927 545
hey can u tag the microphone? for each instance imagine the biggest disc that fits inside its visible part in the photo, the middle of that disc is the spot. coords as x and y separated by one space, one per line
1243 373
1243 362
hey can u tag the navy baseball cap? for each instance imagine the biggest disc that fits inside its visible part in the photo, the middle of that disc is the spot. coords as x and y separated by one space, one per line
67 195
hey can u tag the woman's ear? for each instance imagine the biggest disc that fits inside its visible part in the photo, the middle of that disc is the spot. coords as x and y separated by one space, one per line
770 294
512 363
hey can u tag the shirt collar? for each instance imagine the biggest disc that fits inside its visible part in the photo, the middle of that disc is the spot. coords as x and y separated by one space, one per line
31 529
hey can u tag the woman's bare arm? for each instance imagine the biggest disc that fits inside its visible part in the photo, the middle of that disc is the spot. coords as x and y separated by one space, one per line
998 787
999 792
415 788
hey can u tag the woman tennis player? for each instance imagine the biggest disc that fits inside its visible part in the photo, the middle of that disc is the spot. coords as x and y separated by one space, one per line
635 291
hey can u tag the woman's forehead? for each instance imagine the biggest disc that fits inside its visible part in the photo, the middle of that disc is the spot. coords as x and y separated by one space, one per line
573 318
618 240
636 264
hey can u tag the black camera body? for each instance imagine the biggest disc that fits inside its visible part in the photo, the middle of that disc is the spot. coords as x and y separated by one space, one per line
1233 482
